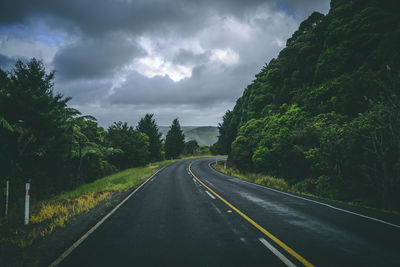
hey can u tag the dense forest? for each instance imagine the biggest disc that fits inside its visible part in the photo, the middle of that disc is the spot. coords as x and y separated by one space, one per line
56 148
324 114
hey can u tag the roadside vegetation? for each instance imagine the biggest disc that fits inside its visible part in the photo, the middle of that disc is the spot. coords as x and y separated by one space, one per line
324 114
49 214
300 188
257 178
71 163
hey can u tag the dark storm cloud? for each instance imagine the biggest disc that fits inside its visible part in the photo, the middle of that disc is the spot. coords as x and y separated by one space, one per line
207 87
222 44
95 58
84 91
102 16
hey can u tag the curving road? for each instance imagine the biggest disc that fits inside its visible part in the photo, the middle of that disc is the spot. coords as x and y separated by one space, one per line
191 215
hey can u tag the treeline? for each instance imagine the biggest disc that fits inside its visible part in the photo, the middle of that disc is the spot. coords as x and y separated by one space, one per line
325 114
56 148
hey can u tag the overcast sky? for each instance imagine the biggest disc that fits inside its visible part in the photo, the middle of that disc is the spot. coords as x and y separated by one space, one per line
120 59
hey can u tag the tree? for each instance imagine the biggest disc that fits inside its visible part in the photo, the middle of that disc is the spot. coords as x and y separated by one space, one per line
227 134
36 149
148 126
133 144
85 140
174 141
191 147
315 118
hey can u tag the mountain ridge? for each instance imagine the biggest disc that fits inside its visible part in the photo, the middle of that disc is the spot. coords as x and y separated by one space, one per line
204 135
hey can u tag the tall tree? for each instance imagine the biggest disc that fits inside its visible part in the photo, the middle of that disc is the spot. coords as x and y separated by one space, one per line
36 147
174 141
191 147
148 126
134 146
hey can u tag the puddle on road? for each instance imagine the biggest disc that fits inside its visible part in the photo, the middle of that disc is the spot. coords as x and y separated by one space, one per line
298 219
270 206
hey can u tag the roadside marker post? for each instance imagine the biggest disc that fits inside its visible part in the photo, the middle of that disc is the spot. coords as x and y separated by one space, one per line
7 190
27 193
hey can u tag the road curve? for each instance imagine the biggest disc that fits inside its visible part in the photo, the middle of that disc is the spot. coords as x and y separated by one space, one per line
191 215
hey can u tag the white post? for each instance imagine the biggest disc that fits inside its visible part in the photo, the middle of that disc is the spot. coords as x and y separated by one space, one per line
7 190
27 192
225 165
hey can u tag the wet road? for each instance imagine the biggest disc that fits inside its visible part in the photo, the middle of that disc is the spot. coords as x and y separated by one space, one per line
191 215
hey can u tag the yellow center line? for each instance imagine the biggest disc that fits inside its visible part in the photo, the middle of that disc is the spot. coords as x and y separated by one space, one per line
268 234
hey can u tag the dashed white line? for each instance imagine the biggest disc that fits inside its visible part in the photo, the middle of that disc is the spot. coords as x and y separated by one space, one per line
277 253
194 180
210 195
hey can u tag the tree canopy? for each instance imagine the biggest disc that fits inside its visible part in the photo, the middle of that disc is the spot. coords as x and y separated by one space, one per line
55 147
322 114
148 126
174 141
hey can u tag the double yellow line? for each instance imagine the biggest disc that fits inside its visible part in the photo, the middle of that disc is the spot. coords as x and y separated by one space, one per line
268 234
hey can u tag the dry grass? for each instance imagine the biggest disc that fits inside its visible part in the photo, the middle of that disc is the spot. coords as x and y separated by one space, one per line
57 212
270 181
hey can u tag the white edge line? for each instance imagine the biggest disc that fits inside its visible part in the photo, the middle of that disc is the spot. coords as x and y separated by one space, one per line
194 180
210 195
314 201
277 253
80 240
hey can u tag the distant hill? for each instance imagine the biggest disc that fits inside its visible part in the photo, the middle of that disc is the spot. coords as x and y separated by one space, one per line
204 135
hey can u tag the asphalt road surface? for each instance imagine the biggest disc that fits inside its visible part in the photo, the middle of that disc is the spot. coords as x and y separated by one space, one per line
191 215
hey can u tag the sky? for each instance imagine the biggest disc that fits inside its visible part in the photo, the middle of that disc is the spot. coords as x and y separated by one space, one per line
121 59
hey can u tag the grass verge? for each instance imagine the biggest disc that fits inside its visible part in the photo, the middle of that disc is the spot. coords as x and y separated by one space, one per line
277 183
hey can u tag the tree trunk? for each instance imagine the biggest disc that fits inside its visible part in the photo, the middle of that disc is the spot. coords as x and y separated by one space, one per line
78 174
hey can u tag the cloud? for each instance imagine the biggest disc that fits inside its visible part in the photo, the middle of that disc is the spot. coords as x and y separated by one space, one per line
96 58
6 62
175 58
142 16
23 48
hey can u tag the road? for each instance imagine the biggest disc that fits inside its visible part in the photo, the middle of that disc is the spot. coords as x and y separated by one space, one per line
191 215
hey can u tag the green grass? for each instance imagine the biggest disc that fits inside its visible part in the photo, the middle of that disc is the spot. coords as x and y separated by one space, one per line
120 181
116 182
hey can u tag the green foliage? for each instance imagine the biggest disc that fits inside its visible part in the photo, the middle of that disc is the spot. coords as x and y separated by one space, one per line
148 126
174 141
323 115
227 133
191 148
134 145
240 153
53 146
